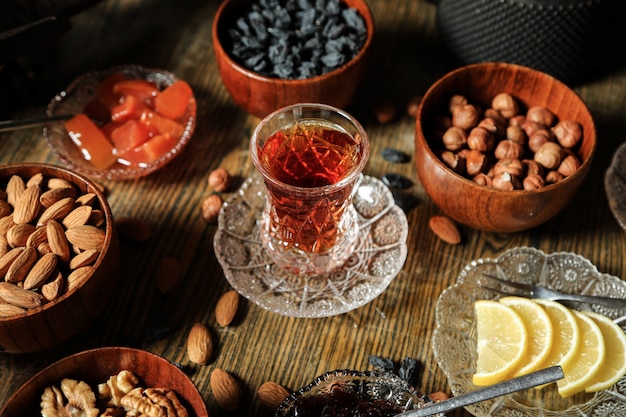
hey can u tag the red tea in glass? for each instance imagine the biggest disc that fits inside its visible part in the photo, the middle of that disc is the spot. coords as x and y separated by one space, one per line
310 157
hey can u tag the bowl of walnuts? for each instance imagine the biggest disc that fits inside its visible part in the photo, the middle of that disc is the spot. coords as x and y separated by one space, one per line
108 381
502 147
271 54
59 255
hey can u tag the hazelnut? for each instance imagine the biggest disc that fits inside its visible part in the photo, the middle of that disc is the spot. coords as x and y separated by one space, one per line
496 116
538 138
518 120
493 126
569 165
456 100
480 139
532 167
532 182
512 166
568 133
516 134
506 104
454 161
475 162
465 116
385 113
506 182
553 177
531 127
507 149
219 180
549 155
413 105
541 115
454 138
483 179
211 207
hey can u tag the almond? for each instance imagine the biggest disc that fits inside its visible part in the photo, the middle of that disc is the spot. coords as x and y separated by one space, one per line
18 234
200 344
57 211
20 297
84 258
53 289
76 278
272 394
39 236
96 218
445 229
57 240
15 188
8 258
53 195
226 308
36 179
41 271
21 266
226 389
7 310
6 223
168 275
77 217
5 208
86 199
4 246
27 206
133 229
59 183
86 237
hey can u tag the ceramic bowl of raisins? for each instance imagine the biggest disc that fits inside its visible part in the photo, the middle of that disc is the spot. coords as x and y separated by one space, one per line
59 255
121 123
273 53
354 393
111 381
502 147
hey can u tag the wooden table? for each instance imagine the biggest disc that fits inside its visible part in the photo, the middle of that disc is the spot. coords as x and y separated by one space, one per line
263 346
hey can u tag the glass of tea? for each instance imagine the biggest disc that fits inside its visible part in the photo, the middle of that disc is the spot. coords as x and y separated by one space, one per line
310 157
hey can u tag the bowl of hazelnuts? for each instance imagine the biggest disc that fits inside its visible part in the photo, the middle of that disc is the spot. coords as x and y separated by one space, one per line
502 147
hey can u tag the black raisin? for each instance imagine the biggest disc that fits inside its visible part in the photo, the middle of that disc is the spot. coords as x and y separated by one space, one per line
406 201
408 370
395 155
384 364
397 181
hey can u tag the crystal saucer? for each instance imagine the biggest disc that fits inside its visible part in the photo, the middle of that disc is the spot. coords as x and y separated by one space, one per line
378 258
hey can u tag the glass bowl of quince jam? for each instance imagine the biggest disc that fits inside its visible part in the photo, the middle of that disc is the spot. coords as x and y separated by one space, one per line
347 393
121 123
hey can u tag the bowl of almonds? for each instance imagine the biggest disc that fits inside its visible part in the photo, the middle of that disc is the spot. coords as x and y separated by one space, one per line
59 255
109 381
502 147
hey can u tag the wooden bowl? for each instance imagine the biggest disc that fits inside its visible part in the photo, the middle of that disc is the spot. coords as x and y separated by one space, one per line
260 95
486 208
56 321
95 366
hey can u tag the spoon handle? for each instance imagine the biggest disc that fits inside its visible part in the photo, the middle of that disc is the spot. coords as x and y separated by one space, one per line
8 125
530 380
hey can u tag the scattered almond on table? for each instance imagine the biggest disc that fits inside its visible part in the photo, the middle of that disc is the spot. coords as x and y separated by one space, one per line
226 389
226 308
272 394
445 229
200 344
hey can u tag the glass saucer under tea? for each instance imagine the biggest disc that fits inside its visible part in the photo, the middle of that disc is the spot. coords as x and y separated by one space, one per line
454 339
378 258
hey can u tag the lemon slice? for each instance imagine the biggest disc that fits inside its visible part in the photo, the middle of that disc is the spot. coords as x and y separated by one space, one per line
566 335
540 332
614 366
501 342
579 372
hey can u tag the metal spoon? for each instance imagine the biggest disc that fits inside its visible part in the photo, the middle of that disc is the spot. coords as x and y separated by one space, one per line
8 125
530 380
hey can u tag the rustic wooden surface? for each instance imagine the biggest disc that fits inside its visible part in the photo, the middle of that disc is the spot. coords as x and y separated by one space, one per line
262 346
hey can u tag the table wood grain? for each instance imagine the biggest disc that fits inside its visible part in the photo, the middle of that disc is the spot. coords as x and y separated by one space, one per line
408 56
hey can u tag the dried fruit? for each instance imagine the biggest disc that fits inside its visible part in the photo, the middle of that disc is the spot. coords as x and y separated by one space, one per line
226 308
395 155
200 344
226 389
445 229
272 394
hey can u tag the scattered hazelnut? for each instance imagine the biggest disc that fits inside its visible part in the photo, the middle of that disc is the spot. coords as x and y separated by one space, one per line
211 207
568 133
385 113
412 106
506 104
219 180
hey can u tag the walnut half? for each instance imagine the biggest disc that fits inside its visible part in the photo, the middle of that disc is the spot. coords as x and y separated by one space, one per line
74 399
